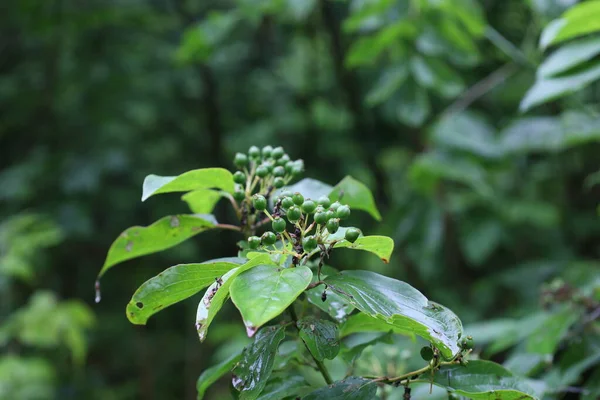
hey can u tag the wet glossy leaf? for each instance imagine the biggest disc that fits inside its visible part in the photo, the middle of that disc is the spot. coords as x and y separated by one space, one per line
251 374
214 373
165 233
362 322
400 304
334 305
284 385
381 246
218 293
264 292
173 285
202 201
320 336
355 194
351 388
207 178
483 380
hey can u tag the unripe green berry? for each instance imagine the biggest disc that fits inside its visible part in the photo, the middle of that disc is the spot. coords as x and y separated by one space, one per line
253 242
321 218
298 199
289 166
254 152
294 214
278 182
266 151
279 171
268 238
309 206
352 234
467 343
343 212
239 195
427 353
287 202
239 177
278 225
329 214
283 160
262 171
309 243
324 201
296 171
240 160
335 205
333 225
277 152
269 164
259 202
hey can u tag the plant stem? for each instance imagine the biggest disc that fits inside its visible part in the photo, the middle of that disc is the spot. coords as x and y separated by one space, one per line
320 365
228 226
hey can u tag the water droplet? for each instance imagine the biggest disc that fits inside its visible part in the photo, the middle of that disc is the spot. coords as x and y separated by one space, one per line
174 222
98 295
129 246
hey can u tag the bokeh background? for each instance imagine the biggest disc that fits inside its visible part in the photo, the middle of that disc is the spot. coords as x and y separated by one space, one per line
486 196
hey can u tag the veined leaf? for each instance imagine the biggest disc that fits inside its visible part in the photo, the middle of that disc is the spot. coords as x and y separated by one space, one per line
214 373
381 246
254 369
320 336
400 304
207 178
362 322
351 388
264 292
165 233
202 201
483 380
356 195
218 293
173 285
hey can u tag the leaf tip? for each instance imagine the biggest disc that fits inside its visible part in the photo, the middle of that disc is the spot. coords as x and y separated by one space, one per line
251 330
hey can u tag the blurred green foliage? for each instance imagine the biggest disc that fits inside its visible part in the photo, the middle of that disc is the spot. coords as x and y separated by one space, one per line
419 99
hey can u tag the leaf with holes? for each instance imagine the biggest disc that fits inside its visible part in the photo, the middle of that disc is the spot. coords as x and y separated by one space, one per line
351 388
218 293
381 246
483 380
173 285
264 292
401 305
163 234
320 336
254 369
207 178
355 194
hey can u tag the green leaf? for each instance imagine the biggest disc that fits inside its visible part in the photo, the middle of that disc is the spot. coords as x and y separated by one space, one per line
207 178
320 336
202 201
310 188
355 194
254 369
466 132
353 346
264 292
362 322
547 336
479 238
218 293
214 373
173 285
483 380
400 304
548 89
283 386
436 75
569 56
165 233
581 19
412 105
334 305
351 388
381 246
388 83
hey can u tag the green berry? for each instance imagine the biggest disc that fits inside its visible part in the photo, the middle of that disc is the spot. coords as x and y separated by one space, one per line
266 151
343 212
309 243
285 193
269 165
427 353
352 234
309 206
239 195
278 182
467 343
321 218
287 202
278 225
259 202
333 225
240 160
294 214
262 171
268 238
283 160
296 171
289 166
254 152
279 171
239 177
298 199
278 152
329 214
324 201
335 205
253 242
